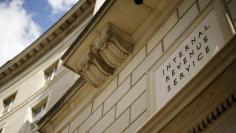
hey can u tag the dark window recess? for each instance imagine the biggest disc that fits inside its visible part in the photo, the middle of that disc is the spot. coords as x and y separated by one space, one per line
8 103
49 73
39 110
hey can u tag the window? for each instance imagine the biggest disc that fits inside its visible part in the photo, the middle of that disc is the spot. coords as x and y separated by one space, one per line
50 72
8 102
39 110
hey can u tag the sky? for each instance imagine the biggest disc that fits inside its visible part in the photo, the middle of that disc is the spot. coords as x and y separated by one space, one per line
23 21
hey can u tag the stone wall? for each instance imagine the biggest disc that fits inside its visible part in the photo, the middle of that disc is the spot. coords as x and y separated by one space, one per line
230 7
31 89
123 106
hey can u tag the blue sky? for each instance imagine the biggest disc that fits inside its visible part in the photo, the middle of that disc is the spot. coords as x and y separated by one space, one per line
41 13
23 21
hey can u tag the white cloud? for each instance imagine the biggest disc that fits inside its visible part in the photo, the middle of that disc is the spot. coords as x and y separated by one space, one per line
18 30
59 6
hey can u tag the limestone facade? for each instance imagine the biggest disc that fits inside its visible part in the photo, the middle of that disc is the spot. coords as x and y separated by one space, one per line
161 66
33 81
137 98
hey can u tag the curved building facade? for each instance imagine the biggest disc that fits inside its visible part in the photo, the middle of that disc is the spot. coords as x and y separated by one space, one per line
127 66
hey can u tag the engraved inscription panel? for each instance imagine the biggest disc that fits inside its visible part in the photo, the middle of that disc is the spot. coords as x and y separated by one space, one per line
188 59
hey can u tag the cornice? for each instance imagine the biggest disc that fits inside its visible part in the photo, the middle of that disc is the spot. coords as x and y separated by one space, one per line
213 116
91 25
47 41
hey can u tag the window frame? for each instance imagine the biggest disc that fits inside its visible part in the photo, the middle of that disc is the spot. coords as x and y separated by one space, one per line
39 109
49 72
8 102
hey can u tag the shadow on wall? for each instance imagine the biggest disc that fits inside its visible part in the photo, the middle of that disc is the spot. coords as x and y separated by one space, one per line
28 127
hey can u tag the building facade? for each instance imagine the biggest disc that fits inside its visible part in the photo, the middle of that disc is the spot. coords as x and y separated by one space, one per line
32 82
127 66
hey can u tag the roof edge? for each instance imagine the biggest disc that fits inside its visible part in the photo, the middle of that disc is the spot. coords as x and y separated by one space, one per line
62 27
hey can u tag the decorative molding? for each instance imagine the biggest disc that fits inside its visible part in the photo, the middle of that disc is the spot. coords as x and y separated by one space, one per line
54 115
47 41
107 53
29 99
215 114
